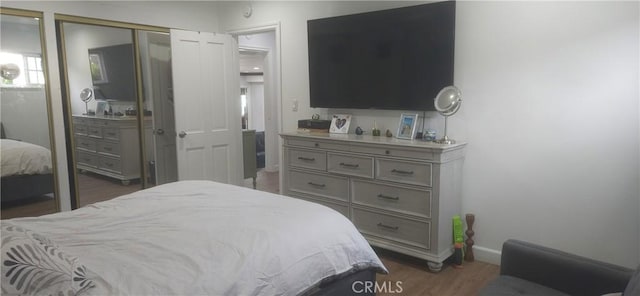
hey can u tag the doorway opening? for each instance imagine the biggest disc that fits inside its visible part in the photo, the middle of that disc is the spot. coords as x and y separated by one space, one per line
260 92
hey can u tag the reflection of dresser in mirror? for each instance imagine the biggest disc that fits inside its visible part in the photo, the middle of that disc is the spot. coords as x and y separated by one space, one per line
109 145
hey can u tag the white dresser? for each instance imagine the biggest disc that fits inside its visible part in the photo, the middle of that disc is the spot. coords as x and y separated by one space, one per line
109 145
400 194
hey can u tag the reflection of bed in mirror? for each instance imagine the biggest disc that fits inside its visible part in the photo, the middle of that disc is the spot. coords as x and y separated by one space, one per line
26 171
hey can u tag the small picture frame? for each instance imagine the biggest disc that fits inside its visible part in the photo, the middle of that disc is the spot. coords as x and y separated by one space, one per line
340 123
100 107
407 126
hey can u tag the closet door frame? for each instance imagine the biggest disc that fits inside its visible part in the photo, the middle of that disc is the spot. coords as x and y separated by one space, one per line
60 20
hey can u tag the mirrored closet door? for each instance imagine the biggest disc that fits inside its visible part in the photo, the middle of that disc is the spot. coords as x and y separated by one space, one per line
117 82
28 163
155 61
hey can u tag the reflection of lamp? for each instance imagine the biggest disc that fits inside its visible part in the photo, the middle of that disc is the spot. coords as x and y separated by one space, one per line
9 71
447 102
86 95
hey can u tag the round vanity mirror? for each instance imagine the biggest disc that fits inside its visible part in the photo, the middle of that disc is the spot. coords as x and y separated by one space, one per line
447 103
86 95
9 71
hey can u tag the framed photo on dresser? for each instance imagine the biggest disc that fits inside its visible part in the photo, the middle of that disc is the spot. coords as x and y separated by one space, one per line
407 126
340 123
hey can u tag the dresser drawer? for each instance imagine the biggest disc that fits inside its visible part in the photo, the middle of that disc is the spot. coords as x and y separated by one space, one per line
334 187
110 133
109 148
361 166
87 159
80 120
338 207
309 159
80 129
94 131
405 200
395 152
84 143
109 164
407 231
317 144
407 172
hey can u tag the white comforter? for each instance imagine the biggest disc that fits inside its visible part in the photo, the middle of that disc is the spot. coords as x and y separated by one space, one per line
20 158
206 238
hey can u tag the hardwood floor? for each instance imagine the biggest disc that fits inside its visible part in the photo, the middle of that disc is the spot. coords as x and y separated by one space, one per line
95 188
415 278
34 207
92 187
266 181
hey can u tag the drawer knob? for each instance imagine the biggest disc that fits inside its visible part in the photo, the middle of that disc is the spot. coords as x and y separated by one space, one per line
385 226
349 165
306 158
402 172
387 152
317 185
388 197
316 145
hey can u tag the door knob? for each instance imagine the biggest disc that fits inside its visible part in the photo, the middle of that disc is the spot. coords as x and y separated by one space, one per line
182 134
159 131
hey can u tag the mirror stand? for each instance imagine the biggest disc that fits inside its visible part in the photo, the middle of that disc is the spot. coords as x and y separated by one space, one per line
445 139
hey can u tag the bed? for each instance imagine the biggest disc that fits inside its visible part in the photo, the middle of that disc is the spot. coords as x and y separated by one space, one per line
187 238
25 171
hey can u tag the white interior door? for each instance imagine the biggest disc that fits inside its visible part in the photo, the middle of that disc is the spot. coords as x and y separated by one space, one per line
206 89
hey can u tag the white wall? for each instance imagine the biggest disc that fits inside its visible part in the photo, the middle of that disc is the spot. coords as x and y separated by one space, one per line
550 113
551 118
24 115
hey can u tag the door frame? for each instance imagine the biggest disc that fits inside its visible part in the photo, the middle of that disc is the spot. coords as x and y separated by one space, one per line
276 85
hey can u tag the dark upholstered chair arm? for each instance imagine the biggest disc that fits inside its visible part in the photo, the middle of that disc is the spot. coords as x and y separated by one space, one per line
562 271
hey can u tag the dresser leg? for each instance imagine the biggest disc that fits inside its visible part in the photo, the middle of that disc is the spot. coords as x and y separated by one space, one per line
125 182
434 266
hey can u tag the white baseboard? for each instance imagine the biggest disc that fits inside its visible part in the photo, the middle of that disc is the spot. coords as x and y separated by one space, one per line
487 255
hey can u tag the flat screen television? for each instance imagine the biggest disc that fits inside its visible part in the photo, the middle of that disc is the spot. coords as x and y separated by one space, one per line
397 59
113 73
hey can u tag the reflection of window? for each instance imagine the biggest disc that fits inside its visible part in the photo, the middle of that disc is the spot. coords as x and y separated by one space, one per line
34 72
98 74
30 69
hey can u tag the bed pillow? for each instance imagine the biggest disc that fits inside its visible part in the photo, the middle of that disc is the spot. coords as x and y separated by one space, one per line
32 264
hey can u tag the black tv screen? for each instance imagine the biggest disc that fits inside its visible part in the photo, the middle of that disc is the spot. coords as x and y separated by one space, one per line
397 59
113 72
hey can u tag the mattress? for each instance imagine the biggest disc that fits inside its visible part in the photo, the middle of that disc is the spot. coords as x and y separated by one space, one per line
186 238
21 158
